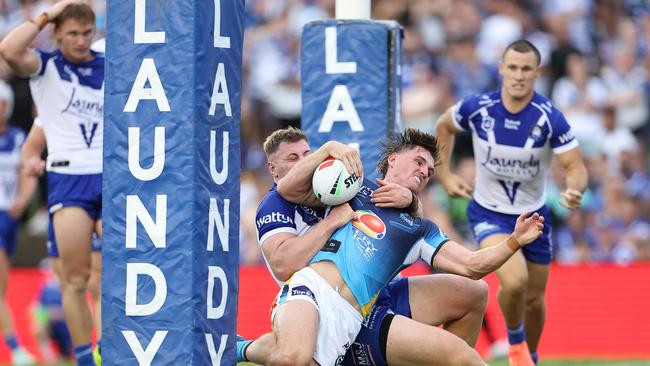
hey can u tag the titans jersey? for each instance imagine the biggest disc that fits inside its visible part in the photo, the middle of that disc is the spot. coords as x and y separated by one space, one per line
69 99
370 251
277 215
512 151
10 143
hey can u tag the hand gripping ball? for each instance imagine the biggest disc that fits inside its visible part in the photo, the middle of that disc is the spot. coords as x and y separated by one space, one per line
332 183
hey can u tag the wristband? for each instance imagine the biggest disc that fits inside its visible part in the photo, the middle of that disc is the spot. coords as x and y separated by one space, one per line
513 243
41 20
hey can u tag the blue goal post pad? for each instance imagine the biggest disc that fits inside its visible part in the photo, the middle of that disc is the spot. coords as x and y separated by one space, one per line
171 182
351 82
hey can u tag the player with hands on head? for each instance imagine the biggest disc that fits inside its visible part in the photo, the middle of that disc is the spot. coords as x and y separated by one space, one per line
515 134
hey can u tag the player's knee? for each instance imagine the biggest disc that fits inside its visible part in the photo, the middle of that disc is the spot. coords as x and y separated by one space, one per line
290 358
480 293
515 285
76 281
535 302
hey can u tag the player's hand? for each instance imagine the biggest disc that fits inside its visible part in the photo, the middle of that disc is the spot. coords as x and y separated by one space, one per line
341 215
33 167
456 186
17 208
572 198
528 228
391 195
348 155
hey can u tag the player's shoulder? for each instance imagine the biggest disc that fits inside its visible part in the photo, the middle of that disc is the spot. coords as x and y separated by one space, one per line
272 199
544 105
480 100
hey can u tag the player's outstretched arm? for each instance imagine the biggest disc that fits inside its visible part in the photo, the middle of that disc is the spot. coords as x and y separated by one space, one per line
296 185
576 178
288 253
445 133
456 259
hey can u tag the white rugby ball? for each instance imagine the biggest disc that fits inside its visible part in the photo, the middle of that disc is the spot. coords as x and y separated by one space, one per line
332 183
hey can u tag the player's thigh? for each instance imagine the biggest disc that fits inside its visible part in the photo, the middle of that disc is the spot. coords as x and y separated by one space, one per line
513 274
295 326
537 280
439 298
73 228
413 343
4 270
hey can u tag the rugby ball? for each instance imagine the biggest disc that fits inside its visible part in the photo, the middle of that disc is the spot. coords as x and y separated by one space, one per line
332 184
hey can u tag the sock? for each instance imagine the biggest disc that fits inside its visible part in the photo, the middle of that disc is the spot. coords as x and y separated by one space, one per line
84 355
11 341
534 356
517 334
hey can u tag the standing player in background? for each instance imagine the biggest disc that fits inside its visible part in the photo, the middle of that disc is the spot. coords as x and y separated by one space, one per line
68 90
515 133
15 191
290 235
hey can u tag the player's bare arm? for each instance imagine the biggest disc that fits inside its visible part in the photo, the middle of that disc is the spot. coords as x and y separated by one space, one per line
445 133
576 178
296 185
456 259
30 153
393 195
287 253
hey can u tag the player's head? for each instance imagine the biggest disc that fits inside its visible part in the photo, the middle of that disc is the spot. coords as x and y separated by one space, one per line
74 30
519 68
409 159
6 104
283 149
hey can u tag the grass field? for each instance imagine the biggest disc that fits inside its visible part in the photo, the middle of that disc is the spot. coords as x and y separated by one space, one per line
554 363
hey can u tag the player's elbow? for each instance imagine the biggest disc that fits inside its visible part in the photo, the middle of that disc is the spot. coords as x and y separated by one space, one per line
282 271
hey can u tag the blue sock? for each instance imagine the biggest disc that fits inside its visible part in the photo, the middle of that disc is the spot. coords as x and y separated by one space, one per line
534 356
11 341
84 355
517 334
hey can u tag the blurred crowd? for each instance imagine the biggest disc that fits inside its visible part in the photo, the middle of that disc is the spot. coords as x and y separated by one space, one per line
596 67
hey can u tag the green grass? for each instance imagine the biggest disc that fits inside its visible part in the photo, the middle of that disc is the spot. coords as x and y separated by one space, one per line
505 363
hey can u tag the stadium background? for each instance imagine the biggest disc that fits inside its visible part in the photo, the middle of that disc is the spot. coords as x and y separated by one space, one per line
596 58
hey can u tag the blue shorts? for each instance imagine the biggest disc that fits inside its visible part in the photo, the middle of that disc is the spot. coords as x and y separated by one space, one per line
85 191
8 233
485 222
53 249
366 349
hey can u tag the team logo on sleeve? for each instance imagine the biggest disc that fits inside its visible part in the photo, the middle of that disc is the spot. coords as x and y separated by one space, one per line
370 224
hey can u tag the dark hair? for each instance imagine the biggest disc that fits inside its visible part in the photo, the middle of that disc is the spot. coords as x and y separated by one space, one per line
408 139
78 11
523 46
289 134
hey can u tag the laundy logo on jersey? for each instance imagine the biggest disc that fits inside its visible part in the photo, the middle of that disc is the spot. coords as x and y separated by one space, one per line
370 224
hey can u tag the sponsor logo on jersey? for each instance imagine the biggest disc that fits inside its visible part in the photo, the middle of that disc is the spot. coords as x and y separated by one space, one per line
536 133
364 245
511 124
565 137
406 217
370 224
360 354
303 291
274 217
83 108
511 166
487 123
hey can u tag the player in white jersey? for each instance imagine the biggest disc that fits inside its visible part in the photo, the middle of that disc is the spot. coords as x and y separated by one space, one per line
515 134
67 86
15 191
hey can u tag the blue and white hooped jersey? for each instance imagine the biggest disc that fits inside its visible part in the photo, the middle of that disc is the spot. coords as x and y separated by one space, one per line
370 251
69 99
10 143
512 151
277 215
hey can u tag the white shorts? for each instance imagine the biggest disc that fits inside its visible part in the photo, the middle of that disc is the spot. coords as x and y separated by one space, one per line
339 321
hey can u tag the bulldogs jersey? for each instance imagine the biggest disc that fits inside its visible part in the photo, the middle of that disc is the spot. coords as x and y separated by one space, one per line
370 251
277 215
10 143
512 151
69 99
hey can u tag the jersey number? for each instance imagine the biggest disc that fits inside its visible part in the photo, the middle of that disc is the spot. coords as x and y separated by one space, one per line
88 135
510 188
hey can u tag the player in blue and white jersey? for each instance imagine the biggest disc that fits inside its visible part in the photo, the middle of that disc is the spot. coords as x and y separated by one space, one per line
68 90
288 244
15 191
322 306
515 133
